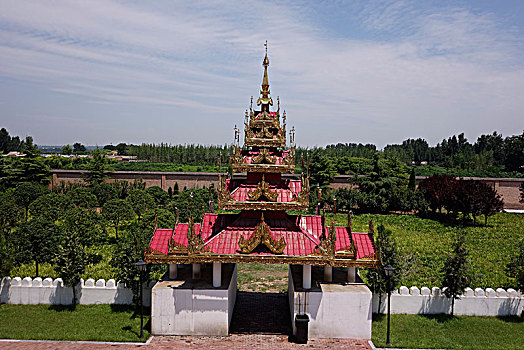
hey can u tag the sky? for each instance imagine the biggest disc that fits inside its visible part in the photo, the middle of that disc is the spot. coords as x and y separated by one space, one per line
181 72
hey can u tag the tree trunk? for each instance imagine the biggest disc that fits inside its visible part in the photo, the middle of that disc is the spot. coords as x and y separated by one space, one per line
74 295
379 302
36 264
452 304
486 220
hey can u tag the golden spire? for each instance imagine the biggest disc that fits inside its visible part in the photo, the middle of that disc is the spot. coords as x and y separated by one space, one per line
265 99
265 80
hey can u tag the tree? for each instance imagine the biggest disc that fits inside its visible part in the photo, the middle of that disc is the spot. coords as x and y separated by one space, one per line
7 254
163 218
37 241
67 150
322 169
491 202
378 190
160 196
30 149
88 224
10 213
439 191
190 204
116 211
514 152
176 191
515 268
121 148
412 182
70 261
82 197
51 206
78 148
455 272
34 170
104 192
140 201
346 198
126 254
25 193
377 279
97 169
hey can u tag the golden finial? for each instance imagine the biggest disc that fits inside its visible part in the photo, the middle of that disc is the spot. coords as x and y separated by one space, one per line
265 99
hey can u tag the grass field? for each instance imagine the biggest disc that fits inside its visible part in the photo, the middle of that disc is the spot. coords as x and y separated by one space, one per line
85 322
266 278
447 332
425 243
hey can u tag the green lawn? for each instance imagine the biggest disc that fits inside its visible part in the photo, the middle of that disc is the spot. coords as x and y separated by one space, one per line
425 243
86 322
270 278
446 332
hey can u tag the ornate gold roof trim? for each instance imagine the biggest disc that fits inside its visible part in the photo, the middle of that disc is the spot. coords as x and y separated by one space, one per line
263 259
262 235
263 190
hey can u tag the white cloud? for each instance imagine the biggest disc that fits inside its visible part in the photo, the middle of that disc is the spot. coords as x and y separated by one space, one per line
439 71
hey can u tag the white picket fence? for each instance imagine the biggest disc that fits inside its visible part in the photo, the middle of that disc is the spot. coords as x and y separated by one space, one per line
35 291
479 302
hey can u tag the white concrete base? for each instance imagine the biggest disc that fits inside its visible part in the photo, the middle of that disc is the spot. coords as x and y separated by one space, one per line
188 307
336 310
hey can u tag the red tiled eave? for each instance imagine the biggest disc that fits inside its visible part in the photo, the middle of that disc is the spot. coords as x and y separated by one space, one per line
221 233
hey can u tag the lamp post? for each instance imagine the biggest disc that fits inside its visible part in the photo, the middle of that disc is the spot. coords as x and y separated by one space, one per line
389 270
141 264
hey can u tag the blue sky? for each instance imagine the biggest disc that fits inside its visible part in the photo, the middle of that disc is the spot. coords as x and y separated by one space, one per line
104 71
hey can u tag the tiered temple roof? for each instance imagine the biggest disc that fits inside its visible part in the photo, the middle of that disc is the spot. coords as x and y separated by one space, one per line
263 231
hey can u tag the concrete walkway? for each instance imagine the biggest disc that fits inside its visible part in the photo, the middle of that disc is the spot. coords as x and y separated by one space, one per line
235 341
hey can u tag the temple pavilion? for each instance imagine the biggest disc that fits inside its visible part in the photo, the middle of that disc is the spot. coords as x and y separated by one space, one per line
254 223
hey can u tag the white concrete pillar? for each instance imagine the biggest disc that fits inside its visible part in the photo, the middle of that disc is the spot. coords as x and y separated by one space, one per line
328 274
306 276
217 274
172 271
196 271
352 271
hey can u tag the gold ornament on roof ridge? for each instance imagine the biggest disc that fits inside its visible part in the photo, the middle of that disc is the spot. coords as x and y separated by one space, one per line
263 190
262 235
264 156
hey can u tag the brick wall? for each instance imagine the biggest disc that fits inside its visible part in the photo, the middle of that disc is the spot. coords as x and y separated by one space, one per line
508 188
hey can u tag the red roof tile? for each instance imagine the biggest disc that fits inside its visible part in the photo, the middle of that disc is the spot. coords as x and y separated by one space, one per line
222 232
287 190
160 240
364 245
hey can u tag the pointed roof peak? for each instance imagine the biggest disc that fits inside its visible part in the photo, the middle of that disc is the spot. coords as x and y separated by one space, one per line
265 99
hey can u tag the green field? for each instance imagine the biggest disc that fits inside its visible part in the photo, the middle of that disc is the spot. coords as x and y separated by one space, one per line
424 244
448 332
85 322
